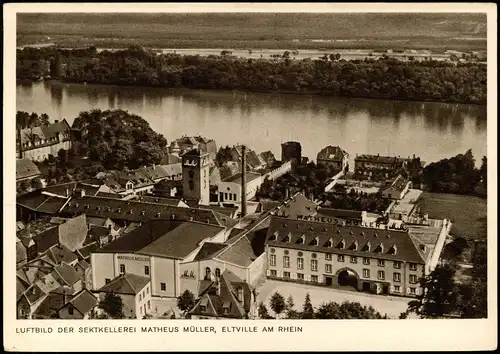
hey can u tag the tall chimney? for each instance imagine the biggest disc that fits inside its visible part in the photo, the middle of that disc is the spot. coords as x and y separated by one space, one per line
243 181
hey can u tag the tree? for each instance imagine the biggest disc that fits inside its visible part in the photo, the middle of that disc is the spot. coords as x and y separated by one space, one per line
277 303
439 295
262 311
185 302
347 310
484 171
112 305
307 308
455 248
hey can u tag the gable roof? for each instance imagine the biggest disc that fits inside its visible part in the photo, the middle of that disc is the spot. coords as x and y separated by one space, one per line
381 241
41 203
26 168
126 284
297 205
244 250
208 249
34 293
47 131
84 301
86 250
67 273
49 306
181 241
397 185
131 210
332 153
58 254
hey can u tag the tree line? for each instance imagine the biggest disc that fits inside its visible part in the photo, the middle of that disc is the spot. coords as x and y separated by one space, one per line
384 78
327 310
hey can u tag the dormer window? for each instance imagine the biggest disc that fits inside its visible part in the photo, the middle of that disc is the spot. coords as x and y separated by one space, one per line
274 236
288 237
143 212
330 242
98 207
380 248
422 248
315 242
355 245
367 247
302 240
393 250
158 215
342 244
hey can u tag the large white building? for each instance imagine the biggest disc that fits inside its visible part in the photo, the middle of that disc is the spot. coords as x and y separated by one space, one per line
230 188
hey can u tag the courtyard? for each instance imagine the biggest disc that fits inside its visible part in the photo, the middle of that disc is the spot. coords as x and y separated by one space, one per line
393 306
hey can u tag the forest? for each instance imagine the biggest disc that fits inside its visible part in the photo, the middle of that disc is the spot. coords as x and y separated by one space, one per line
384 78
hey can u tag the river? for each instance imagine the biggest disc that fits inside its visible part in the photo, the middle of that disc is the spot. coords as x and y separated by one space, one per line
263 121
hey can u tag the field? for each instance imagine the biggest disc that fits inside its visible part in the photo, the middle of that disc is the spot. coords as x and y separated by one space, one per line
467 213
264 30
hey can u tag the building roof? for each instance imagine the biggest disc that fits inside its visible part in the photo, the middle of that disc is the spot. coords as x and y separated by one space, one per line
67 273
332 153
381 242
45 131
242 252
227 211
379 159
236 178
34 293
340 213
160 200
49 306
84 301
21 254
208 250
83 264
162 171
131 210
268 157
169 159
215 304
296 205
397 185
181 241
86 250
126 284
25 168
267 205
41 203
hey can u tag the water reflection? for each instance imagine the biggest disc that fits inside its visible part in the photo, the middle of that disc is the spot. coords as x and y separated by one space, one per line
265 120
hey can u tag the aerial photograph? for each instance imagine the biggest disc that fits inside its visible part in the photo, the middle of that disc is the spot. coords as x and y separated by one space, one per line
245 165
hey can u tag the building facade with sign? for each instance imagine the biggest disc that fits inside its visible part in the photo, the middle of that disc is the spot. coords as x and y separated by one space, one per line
155 250
372 260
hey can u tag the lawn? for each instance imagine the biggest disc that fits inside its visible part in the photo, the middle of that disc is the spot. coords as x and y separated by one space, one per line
467 213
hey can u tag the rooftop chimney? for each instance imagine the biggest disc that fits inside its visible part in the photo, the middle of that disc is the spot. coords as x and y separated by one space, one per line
243 181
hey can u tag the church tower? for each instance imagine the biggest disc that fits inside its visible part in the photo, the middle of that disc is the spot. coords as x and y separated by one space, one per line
196 176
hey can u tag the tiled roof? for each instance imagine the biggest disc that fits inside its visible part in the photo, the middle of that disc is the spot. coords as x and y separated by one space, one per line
67 273
21 287
398 185
160 200
86 250
208 249
237 177
181 241
140 237
333 153
61 189
340 213
59 253
41 203
126 284
96 221
21 254
84 301
228 211
73 232
135 211
45 131
297 205
268 157
381 242
49 306
47 239
243 251
83 264
26 168
162 171
267 205
169 159
34 293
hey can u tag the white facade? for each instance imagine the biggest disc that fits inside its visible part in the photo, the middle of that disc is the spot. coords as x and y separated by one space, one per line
230 192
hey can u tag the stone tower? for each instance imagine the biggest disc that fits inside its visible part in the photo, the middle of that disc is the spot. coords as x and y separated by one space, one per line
196 176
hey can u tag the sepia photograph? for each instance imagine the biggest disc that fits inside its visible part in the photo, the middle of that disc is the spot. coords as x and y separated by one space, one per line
249 165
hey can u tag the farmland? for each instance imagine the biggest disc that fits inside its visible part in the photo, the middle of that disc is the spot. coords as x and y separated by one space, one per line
258 31
467 213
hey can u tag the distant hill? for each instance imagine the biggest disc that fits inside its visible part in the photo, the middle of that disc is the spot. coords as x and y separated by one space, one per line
194 28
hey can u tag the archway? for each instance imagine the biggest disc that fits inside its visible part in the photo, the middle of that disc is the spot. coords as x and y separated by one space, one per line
347 277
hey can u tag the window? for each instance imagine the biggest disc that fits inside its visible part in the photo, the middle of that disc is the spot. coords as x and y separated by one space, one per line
234 196
286 261
226 196
203 308
272 260
381 274
314 278
397 265
300 276
413 279
354 259
163 286
340 258
366 261
412 290
413 266
286 275
366 273
314 265
328 257
300 263
122 268
273 273
230 196
70 310
328 268
396 277
149 304
397 288
217 272
146 270
107 280
140 297
240 292
147 290
381 263
207 273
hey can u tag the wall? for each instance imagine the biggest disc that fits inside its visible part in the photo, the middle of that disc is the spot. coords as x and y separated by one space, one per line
65 315
337 265
129 309
438 248
141 302
42 153
102 268
134 264
164 270
257 270
280 171
235 188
